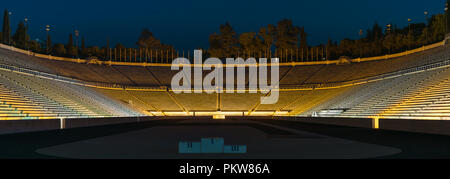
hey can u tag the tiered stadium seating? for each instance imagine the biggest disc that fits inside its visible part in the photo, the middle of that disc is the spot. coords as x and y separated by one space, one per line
139 76
38 98
14 106
423 95
431 101
157 76
93 98
125 98
308 89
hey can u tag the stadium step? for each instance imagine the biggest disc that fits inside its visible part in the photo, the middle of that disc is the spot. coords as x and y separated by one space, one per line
447 107
19 118
7 109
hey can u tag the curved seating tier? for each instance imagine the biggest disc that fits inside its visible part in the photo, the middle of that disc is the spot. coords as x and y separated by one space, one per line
29 97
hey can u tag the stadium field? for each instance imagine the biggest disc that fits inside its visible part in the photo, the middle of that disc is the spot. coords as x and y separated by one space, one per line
267 139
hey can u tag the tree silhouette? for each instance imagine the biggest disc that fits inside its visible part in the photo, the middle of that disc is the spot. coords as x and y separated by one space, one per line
147 40
250 43
303 39
437 27
49 43
215 46
70 48
21 36
59 49
84 52
287 35
268 36
225 44
6 32
447 17
120 46
375 33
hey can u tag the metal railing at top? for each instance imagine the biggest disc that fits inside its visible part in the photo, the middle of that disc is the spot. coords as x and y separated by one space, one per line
285 60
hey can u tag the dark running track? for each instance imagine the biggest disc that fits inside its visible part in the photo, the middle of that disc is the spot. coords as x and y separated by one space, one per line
412 145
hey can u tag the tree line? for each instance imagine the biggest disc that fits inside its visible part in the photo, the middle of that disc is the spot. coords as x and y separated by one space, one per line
286 40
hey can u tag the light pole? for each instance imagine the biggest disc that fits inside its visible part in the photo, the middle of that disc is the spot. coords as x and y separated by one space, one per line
9 35
77 33
446 19
36 46
426 27
26 29
409 34
47 29
361 33
389 33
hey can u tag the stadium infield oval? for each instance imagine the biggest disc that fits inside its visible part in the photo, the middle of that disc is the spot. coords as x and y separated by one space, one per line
263 142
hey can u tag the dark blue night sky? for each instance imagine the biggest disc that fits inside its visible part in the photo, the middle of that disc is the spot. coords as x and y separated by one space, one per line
188 24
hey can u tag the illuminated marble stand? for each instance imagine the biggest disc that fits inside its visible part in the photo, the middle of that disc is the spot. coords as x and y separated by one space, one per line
210 146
